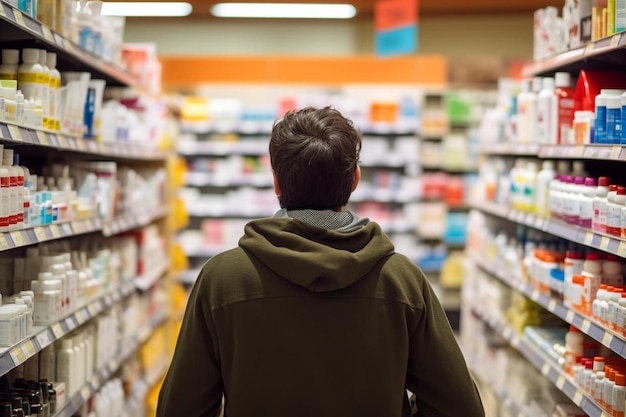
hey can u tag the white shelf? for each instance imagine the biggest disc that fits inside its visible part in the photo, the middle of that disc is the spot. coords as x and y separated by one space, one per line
43 336
573 233
599 152
76 401
543 364
39 234
222 148
205 179
588 325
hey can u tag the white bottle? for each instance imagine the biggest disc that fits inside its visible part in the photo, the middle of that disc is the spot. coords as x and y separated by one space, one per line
5 197
592 272
545 108
97 32
572 265
517 184
614 213
527 113
19 101
7 162
599 199
597 306
612 303
45 86
601 101
54 97
85 27
621 315
529 180
65 363
10 59
612 271
567 194
20 191
586 203
544 178
577 187
30 75
604 208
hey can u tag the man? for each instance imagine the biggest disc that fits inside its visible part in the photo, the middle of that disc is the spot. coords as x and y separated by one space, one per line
314 314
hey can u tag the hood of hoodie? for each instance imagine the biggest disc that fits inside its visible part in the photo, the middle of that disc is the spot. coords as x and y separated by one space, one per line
312 257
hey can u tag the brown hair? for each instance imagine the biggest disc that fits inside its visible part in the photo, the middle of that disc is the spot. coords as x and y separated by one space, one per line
314 154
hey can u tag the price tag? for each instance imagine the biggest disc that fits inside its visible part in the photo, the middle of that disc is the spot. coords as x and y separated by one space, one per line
44 338
70 323
19 18
589 48
18 239
43 139
560 382
4 245
40 233
578 398
607 339
47 33
615 152
29 348
570 316
17 355
586 325
545 369
57 330
82 316
552 305
621 249
604 242
615 40
15 132
2 12
67 229
93 310
54 228
588 238
535 295
62 141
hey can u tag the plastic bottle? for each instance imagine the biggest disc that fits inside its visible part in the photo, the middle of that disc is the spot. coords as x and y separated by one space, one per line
599 303
614 212
614 119
545 111
598 385
10 59
527 113
5 197
30 75
583 127
516 181
586 202
19 191
619 395
621 316
85 25
573 348
573 202
96 27
54 96
554 190
623 116
609 384
564 107
600 198
65 365
604 207
19 101
600 133
613 304
592 274
7 161
542 184
45 86
567 194
529 180
572 265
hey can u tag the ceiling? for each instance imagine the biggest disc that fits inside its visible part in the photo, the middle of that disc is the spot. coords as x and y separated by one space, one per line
201 8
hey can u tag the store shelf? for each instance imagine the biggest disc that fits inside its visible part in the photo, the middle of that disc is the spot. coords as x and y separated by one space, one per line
587 325
43 336
205 179
188 277
546 366
500 392
382 195
147 280
573 233
603 53
16 26
514 149
599 152
23 136
76 401
39 234
223 148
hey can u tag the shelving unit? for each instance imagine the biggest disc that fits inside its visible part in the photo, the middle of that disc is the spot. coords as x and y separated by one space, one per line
602 54
20 31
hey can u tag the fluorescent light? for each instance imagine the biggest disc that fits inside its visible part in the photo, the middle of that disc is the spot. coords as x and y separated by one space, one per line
284 10
146 9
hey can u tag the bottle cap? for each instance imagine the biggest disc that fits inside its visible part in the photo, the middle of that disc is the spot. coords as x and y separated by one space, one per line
604 181
592 256
620 379
579 180
43 56
51 60
591 182
612 187
30 55
621 190
562 79
10 56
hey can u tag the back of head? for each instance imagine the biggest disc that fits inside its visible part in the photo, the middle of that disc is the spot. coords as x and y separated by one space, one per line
314 155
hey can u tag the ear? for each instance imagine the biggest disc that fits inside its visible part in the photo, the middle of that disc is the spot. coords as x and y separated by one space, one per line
276 185
357 177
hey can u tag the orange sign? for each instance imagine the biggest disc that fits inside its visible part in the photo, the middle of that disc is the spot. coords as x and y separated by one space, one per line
393 14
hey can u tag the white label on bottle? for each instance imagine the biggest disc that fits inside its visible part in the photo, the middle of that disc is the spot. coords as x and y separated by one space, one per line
614 216
604 206
586 209
619 398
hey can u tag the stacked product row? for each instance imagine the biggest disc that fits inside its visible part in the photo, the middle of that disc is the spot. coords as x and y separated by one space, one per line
46 283
35 94
581 22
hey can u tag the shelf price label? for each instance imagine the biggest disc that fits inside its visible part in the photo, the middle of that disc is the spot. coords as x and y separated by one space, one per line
19 18
4 245
15 132
17 238
47 33
607 339
616 151
44 339
588 238
40 233
570 316
85 393
578 398
586 325
552 305
545 369
57 330
560 382
17 355
29 348
615 40
604 242
43 139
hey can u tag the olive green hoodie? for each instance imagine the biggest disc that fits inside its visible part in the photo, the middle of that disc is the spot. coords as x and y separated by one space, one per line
304 321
